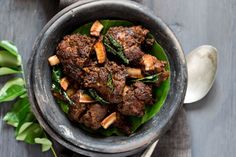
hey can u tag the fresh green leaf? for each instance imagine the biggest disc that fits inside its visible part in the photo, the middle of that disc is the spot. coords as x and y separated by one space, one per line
4 44
24 95
56 74
12 89
22 129
115 48
115 43
18 112
96 97
64 106
29 131
85 29
56 87
8 71
46 143
20 116
147 79
107 44
113 23
29 117
7 45
110 82
8 60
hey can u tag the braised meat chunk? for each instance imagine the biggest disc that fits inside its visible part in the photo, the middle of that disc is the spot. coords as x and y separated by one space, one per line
151 65
108 81
94 116
122 124
135 98
74 53
131 39
76 111
90 115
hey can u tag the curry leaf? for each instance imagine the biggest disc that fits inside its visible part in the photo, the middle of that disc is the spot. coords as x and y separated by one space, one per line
18 112
56 77
148 79
8 60
115 48
20 116
29 131
110 82
64 106
96 97
29 117
56 74
12 89
46 143
7 71
4 44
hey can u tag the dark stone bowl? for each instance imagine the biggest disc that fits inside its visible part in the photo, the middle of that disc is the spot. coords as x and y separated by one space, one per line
38 77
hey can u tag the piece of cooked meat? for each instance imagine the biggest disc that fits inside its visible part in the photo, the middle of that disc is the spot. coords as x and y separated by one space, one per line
108 81
74 53
122 124
131 39
94 116
143 92
151 65
76 111
135 98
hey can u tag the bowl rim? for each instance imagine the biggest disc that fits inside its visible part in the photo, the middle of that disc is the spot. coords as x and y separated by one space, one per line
32 95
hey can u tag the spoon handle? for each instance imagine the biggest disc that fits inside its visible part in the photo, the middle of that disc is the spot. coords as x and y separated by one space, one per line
148 152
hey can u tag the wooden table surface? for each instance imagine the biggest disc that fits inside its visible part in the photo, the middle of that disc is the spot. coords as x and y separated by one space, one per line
195 22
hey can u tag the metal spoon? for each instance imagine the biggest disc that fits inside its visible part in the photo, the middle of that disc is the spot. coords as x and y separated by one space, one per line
202 65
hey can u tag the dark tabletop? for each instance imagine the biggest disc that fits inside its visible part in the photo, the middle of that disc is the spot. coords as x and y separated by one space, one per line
195 22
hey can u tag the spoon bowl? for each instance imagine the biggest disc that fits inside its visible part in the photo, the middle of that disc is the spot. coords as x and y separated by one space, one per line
202 65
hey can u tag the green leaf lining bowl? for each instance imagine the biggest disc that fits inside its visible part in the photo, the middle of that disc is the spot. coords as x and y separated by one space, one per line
50 115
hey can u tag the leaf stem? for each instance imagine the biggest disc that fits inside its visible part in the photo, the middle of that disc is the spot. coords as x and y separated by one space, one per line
53 151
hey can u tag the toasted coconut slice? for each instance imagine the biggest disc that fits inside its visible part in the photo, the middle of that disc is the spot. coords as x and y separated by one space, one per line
85 98
53 60
134 73
100 52
125 90
64 83
109 120
70 92
96 29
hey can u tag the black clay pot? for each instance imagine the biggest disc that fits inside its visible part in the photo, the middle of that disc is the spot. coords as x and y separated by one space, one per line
38 77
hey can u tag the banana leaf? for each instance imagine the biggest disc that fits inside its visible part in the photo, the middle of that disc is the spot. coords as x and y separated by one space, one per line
160 93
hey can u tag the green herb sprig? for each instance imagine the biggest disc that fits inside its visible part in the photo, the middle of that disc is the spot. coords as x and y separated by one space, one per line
26 126
56 77
148 79
96 97
110 82
115 48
